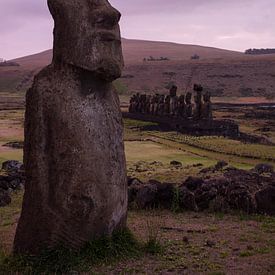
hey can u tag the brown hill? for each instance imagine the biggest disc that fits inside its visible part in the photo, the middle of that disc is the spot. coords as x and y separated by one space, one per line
225 73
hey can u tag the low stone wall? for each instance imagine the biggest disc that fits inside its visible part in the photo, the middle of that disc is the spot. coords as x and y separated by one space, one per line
248 191
225 128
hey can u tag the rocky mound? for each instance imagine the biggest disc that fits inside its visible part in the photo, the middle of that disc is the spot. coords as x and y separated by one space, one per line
234 189
248 191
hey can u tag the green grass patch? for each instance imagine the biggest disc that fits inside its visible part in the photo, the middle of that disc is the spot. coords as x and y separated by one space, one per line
121 88
247 253
225 146
11 154
149 151
8 214
153 247
132 123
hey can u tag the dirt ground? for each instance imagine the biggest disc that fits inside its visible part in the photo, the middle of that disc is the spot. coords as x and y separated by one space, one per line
191 243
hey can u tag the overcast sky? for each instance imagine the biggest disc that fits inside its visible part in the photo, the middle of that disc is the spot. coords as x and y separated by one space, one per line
26 26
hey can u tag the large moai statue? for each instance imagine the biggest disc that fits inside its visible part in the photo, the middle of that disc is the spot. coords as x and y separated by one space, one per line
198 102
207 107
181 106
173 100
161 109
76 187
188 105
167 105
132 104
152 100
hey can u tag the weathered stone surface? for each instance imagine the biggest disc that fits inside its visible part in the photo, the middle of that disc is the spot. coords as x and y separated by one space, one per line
146 196
165 195
76 184
193 183
187 199
266 200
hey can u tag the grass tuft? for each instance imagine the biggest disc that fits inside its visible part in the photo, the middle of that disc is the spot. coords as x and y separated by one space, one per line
121 245
153 247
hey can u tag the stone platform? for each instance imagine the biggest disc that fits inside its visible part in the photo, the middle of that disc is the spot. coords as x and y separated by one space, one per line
226 128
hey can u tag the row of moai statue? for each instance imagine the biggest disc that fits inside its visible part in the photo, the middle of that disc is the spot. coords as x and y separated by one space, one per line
173 105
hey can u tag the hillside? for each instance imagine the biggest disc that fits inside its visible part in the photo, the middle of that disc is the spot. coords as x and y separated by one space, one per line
223 72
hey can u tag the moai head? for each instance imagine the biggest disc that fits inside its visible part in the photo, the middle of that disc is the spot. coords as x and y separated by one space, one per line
198 89
87 35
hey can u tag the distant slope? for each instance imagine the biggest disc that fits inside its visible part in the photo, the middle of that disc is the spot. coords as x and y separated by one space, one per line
223 72
135 50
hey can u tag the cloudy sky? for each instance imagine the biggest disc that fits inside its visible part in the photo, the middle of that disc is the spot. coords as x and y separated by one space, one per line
26 26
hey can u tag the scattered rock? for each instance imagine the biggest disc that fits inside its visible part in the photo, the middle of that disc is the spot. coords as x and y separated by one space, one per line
133 190
146 196
236 189
185 240
187 199
15 144
165 195
197 165
176 163
12 166
193 183
133 181
207 170
221 164
240 198
13 182
264 168
210 243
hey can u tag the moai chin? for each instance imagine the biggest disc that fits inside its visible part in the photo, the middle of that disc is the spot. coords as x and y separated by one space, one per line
76 185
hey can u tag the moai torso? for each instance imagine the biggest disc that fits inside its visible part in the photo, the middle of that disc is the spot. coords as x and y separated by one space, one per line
167 105
161 106
207 107
198 102
181 106
148 103
188 105
173 100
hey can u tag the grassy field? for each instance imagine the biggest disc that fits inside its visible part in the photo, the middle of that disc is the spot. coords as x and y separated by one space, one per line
192 243
11 129
149 146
